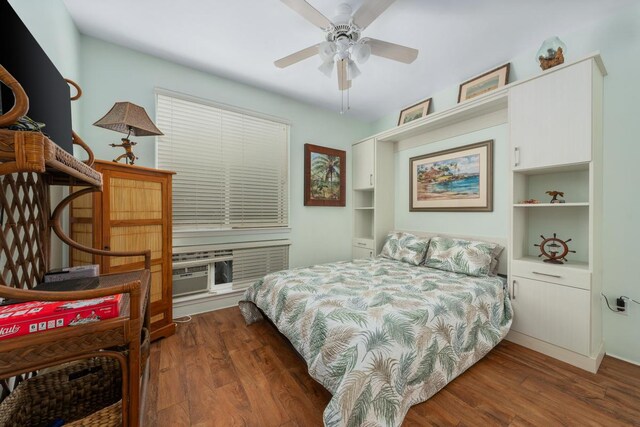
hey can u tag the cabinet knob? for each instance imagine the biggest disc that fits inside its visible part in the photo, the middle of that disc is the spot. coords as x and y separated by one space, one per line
107 248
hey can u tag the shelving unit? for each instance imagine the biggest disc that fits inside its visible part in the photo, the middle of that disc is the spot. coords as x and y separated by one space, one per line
556 138
372 196
555 121
29 163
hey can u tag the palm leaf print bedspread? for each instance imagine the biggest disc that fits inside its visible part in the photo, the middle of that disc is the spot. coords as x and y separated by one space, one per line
381 335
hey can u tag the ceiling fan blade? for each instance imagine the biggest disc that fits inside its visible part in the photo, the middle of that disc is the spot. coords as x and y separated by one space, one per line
308 12
343 83
297 57
392 51
369 11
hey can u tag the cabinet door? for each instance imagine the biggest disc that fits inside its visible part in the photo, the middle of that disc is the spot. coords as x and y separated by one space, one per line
363 165
559 315
361 253
550 118
136 218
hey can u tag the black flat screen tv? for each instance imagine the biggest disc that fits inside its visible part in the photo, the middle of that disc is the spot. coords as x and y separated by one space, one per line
48 92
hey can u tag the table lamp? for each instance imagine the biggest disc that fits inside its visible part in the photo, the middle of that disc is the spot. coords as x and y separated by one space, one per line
125 117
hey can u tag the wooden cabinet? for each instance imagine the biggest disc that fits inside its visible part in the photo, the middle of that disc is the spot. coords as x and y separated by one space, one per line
556 138
132 213
373 196
551 118
363 165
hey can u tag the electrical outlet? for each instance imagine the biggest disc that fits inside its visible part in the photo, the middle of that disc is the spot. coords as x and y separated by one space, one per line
622 306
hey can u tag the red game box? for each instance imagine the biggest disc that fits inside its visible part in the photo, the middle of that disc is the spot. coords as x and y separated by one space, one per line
36 316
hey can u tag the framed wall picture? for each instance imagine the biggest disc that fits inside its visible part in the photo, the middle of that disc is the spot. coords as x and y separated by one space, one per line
324 176
487 82
456 180
414 112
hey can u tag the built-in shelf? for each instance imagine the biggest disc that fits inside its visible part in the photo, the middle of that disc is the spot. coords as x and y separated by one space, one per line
578 265
550 205
480 106
488 103
368 237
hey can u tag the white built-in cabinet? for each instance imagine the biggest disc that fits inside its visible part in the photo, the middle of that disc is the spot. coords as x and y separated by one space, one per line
373 196
555 126
550 118
363 165
555 137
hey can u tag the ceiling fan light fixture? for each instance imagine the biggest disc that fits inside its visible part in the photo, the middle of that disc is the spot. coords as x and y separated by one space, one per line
327 67
352 70
327 51
361 52
343 43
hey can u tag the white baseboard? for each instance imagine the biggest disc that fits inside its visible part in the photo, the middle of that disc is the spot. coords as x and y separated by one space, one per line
587 363
205 303
624 359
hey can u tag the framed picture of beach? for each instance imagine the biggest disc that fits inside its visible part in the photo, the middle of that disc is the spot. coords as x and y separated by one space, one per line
456 180
324 176
416 111
487 82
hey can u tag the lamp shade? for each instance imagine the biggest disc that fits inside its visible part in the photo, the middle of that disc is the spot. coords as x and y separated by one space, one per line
327 68
125 117
361 52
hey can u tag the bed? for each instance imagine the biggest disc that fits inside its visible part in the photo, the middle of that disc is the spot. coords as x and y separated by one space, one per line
381 334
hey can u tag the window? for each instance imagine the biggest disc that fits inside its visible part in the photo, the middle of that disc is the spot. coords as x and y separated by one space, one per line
232 167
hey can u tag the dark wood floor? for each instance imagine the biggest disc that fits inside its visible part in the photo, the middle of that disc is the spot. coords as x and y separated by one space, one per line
218 372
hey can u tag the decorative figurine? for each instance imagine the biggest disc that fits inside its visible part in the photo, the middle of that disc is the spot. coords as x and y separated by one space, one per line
130 158
554 249
553 58
530 202
551 53
555 194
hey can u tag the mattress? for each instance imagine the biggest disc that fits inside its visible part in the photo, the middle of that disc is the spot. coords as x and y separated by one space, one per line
381 335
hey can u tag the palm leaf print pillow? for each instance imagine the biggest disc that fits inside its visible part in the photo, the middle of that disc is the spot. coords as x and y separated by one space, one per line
405 247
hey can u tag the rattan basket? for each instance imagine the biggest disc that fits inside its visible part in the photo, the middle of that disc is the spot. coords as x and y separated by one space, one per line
71 393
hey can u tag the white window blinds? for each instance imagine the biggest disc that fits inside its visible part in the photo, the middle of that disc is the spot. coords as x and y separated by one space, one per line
232 168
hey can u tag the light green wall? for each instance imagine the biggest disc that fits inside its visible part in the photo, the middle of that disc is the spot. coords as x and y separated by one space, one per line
618 40
113 73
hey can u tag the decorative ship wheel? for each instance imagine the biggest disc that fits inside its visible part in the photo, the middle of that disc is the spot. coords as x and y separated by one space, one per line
554 249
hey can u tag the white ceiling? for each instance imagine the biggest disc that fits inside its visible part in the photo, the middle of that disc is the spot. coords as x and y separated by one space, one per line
240 39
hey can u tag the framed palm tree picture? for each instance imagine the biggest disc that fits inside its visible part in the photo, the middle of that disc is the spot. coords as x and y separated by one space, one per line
324 176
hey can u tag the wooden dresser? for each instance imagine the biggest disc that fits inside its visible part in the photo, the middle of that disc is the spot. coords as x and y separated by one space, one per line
132 213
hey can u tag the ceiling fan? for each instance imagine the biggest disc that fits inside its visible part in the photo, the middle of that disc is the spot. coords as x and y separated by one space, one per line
343 44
